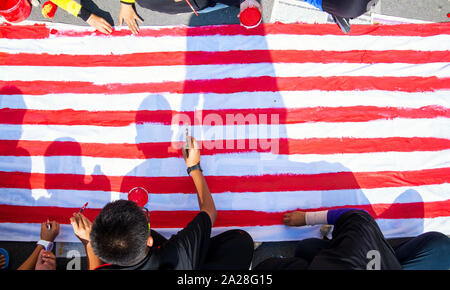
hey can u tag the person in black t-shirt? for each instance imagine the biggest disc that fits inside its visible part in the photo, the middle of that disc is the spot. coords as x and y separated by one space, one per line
120 237
128 14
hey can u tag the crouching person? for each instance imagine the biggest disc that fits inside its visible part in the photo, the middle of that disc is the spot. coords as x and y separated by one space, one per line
121 238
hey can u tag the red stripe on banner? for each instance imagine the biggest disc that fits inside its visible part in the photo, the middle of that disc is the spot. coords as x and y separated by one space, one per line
285 116
169 149
421 30
219 184
37 31
225 218
224 57
231 85
219 117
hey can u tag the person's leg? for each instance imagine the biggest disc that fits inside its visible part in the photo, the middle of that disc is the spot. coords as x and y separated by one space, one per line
235 3
308 248
231 250
429 251
347 8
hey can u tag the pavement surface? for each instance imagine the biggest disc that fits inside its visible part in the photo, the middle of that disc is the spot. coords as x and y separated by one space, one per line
429 10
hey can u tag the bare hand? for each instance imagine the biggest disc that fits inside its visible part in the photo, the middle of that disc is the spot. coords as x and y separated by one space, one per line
295 218
46 261
194 152
49 234
81 227
249 3
128 15
100 24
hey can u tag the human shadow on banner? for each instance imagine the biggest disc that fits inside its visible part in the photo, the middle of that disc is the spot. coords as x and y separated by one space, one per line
212 92
66 181
15 161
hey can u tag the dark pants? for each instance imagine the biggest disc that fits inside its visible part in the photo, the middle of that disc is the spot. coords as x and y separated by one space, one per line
429 251
230 250
347 8
182 6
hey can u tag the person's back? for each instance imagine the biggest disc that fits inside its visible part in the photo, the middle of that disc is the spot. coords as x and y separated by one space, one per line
356 240
120 236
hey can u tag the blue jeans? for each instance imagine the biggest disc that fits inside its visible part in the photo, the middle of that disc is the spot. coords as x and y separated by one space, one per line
429 251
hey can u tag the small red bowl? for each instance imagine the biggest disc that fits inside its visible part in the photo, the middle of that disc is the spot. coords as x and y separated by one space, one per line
139 195
251 17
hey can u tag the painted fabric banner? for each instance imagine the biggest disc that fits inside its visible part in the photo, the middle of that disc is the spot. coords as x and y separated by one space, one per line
289 116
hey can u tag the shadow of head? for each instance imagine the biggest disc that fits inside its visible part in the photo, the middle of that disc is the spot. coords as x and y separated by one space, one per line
63 156
153 121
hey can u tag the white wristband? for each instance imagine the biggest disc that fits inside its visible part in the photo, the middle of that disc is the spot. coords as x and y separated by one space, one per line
48 246
316 218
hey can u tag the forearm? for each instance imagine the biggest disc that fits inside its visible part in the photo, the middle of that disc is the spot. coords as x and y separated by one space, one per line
30 262
325 217
205 200
73 8
93 260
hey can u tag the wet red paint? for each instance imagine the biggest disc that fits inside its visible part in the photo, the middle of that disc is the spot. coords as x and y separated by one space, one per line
220 184
223 57
286 146
231 85
225 218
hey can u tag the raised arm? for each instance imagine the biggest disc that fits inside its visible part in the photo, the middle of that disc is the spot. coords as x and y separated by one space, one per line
205 200
47 238
82 228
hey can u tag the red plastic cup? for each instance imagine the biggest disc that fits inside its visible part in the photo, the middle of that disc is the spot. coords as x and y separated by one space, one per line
15 10
139 195
250 18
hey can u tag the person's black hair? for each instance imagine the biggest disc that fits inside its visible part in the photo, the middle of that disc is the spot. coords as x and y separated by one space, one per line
119 233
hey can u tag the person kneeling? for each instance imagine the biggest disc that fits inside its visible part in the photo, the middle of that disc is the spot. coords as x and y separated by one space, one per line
121 236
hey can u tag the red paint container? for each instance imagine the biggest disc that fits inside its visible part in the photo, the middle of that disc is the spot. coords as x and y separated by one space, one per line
250 17
139 195
15 10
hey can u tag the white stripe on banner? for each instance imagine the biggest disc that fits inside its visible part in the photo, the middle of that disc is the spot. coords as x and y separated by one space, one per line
166 133
236 164
212 101
130 44
154 74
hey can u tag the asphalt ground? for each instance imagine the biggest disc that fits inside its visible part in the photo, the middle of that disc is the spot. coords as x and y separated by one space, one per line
429 10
